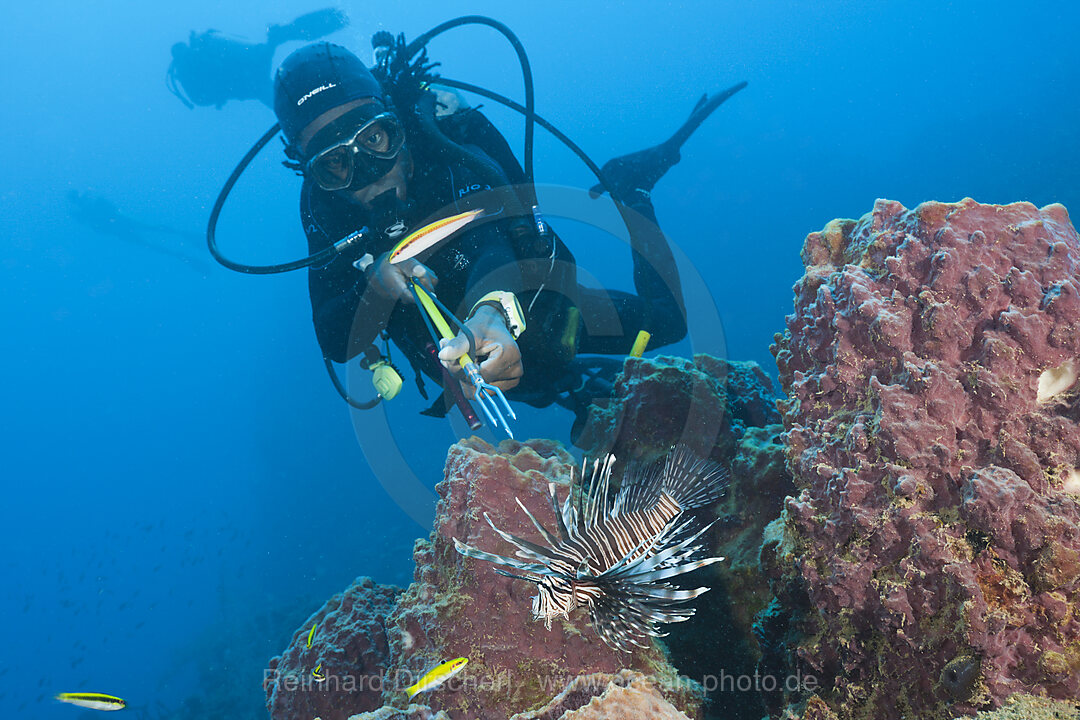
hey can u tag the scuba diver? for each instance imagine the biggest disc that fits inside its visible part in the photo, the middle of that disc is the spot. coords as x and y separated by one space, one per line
101 215
213 68
385 152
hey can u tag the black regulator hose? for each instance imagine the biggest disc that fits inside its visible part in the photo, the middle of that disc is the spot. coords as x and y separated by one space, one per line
528 111
359 405
526 73
539 119
211 227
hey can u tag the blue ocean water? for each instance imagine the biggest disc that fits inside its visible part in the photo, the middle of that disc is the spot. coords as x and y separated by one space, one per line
182 486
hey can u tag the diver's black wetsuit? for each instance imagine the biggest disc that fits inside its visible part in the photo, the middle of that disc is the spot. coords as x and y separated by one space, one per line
565 318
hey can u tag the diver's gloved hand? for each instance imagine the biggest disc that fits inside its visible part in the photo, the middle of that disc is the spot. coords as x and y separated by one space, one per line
423 113
632 177
502 366
392 281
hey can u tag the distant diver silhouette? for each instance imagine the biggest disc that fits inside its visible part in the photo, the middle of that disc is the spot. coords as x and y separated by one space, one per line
639 171
101 215
213 68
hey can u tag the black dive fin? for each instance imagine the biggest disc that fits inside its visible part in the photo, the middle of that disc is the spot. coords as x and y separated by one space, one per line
310 26
704 108
639 171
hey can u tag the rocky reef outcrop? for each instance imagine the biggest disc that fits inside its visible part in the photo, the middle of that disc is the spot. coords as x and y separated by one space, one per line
705 404
626 695
1030 707
372 642
459 607
343 670
930 563
724 410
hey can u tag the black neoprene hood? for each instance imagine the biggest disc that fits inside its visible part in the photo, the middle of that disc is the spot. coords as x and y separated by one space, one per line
314 79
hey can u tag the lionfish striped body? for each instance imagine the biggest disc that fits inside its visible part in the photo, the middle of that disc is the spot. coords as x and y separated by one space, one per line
614 554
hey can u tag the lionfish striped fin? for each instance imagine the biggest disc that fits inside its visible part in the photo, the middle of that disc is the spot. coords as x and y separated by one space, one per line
640 488
692 481
675 553
617 621
525 548
566 517
614 549
563 532
599 486
469 551
534 581
665 573
548 537
639 553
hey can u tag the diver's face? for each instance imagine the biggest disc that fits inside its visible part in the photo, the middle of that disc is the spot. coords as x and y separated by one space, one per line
396 180
343 150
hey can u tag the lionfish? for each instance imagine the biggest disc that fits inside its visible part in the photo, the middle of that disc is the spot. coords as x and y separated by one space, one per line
613 554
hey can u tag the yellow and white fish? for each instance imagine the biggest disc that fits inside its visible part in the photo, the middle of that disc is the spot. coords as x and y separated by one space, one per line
93 700
437 676
431 235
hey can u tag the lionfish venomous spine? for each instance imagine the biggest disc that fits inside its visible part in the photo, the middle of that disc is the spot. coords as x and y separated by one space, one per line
614 554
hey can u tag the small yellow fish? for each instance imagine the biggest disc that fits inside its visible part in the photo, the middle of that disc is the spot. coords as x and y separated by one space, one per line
430 235
92 700
318 674
437 676
311 634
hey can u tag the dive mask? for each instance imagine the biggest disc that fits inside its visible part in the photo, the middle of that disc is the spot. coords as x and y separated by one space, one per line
362 157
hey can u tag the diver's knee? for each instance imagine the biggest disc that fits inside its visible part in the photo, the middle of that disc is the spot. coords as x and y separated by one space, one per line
672 330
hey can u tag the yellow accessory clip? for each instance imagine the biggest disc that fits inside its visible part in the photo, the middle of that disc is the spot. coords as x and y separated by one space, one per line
640 343
386 380
569 340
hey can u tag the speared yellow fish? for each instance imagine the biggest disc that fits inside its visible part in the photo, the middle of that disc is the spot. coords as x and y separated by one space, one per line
437 676
92 700
431 235
311 634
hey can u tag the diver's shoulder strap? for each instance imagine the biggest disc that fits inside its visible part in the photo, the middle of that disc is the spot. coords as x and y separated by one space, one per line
471 127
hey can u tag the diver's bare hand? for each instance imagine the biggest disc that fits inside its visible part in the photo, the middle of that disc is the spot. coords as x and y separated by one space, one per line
392 281
502 366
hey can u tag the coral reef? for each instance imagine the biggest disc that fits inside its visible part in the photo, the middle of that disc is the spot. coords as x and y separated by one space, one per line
349 647
460 607
1029 707
759 484
413 712
626 695
930 564
705 404
372 641
726 411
